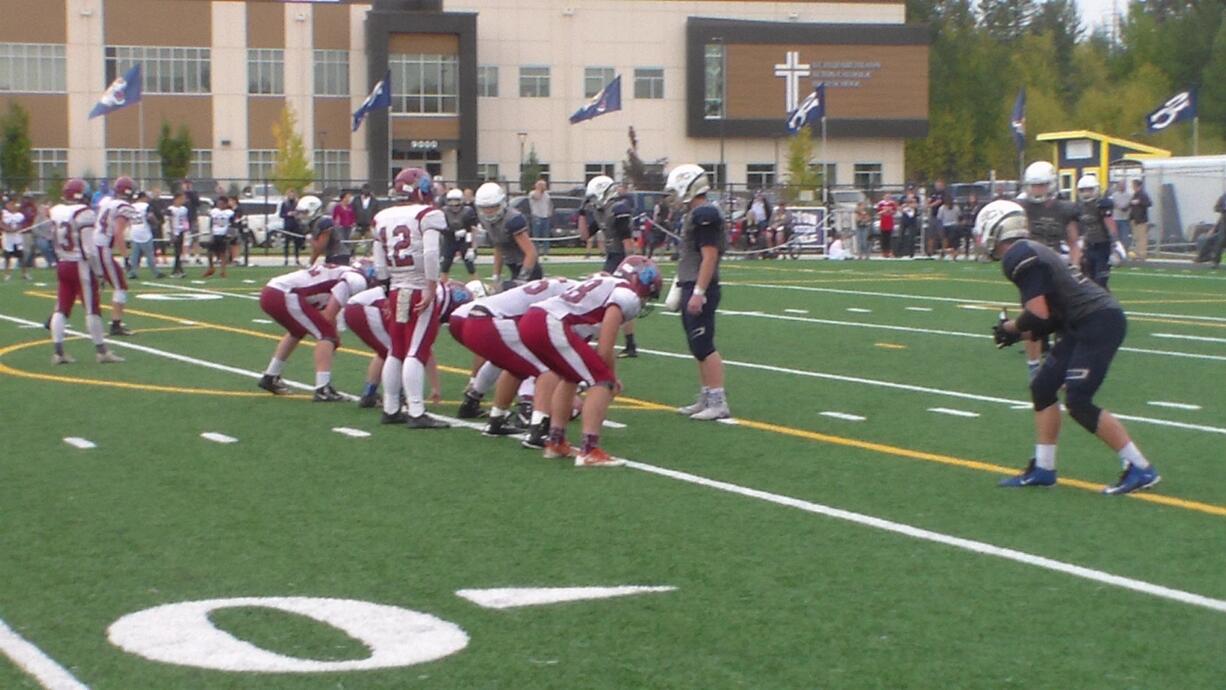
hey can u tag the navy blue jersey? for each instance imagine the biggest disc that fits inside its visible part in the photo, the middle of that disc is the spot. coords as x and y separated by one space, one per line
1048 220
1092 217
702 227
1038 270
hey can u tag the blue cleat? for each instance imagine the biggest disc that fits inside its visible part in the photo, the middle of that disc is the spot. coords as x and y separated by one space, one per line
1134 479
1033 475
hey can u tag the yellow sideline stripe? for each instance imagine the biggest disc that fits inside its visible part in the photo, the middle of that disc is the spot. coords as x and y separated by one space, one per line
890 346
885 449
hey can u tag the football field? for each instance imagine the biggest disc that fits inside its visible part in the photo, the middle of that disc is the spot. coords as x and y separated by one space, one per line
844 531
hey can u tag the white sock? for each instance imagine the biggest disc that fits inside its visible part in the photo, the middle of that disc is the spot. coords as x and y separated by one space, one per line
527 388
58 324
715 396
322 378
486 377
1132 455
391 384
1045 456
538 417
94 323
496 411
414 377
275 367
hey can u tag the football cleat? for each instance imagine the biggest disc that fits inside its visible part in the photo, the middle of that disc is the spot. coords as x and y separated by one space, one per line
502 426
697 406
119 329
327 393
425 421
108 357
712 412
368 401
523 414
273 384
597 458
62 359
470 408
1134 479
561 449
398 417
537 435
628 353
1033 475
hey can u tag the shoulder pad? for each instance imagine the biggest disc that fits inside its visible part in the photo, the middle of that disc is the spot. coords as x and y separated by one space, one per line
706 216
1019 259
515 222
622 208
1106 203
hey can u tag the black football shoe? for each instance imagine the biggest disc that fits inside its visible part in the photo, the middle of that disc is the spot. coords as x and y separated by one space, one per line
502 426
273 384
118 329
470 408
537 436
327 394
398 417
425 421
366 402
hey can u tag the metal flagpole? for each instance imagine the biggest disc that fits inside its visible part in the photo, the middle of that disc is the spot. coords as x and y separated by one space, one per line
1196 135
823 157
140 137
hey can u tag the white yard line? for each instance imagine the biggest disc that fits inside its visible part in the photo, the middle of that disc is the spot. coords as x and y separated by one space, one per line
859 310
351 433
843 415
797 311
202 291
216 437
78 442
918 308
33 661
1174 405
1197 338
952 412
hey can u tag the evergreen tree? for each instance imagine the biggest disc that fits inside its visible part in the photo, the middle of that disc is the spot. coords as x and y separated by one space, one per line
531 171
175 152
802 174
292 169
16 157
1006 20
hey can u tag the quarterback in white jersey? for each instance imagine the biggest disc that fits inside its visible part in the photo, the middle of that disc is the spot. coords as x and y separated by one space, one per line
307 302
406 252
115 216
77 271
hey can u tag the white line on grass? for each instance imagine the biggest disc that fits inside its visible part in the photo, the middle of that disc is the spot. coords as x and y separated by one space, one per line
33 661
351 433
844 416
78 442
1020 404
260 321
1174 405
1198 338
816 508
217 437
610 424
859 310
203 291
919 308
797 311
953 412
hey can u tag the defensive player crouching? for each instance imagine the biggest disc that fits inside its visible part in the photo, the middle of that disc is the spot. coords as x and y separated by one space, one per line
556 331
1057 298
489 328
307 302
77 271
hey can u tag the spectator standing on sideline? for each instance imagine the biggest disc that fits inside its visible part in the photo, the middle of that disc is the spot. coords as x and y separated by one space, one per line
13 220
344 218
909 225
661 220
864 224
938 198
966 223
947 217
759 216
191 201
1217 238
1121 199
292 232
1138 218
142 237
540 206
219 244
180 226
364 209
33 239
887 208
780 229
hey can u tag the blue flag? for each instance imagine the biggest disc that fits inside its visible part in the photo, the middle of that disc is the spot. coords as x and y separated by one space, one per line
122 92
608 100
810 110
380 97
1180 107
1017 123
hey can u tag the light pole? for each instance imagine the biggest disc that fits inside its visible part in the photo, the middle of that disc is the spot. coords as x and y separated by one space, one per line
523 136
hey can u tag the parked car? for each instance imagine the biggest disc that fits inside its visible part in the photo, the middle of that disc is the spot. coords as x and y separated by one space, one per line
262 219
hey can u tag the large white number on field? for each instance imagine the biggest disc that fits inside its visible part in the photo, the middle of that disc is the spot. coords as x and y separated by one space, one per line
182 634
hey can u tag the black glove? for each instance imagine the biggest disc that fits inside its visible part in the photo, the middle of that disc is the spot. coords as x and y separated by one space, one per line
1004 338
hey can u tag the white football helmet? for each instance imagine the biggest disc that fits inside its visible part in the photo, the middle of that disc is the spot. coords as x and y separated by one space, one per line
455 198
1087 187
477 288
1000 221
491 202
309 207
600 190
686 182
1040 173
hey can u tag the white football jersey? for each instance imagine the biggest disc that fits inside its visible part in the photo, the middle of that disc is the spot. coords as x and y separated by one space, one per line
586 302
110 210
71 223
220 218
11 222
140 223
178 219
369 298
317 283
514 303
406 244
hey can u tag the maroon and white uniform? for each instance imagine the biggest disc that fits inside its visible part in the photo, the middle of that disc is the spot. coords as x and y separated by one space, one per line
366 315
489 326
406 250
296 300
74 248
110 211
556 330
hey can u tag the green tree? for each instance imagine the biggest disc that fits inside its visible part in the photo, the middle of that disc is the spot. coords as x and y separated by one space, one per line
531 171
1212 96
802 174
16 158
1006 20
292 168
175 150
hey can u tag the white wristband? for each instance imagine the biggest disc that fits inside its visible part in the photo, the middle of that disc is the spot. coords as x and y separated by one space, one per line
700 292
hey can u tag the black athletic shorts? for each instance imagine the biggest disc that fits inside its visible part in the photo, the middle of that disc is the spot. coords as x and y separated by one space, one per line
700 327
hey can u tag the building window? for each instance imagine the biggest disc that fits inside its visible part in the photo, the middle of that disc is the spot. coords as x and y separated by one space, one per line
425 84
142 165
534 82
487 172
266 71
591 170
261 164
595 79
164 69
332 73
49 164
866 175
715 172
760 175
487 81
431 160
32 68
544 170
202 165
331 168
827 172
649 82
713 94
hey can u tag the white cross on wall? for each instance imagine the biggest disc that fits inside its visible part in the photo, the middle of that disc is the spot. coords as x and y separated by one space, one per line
792 70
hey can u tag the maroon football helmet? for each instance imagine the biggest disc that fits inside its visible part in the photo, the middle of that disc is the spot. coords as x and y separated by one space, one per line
642 274
415 185
73 190
124 187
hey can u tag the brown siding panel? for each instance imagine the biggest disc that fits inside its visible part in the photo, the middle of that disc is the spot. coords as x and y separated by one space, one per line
122 126
265 25
159 22
261 114
40 21
425 128
333 123
424 44
331 27
48 118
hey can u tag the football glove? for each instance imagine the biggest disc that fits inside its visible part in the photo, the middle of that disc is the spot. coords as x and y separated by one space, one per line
470 254
1002 337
